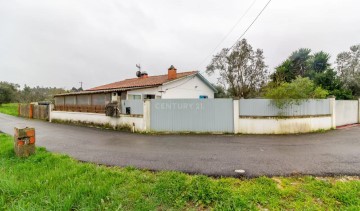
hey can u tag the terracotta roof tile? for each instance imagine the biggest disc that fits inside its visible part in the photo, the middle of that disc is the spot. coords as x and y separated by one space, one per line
141 82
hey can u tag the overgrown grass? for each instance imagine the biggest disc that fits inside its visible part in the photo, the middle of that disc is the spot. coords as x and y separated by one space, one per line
47 181
9 108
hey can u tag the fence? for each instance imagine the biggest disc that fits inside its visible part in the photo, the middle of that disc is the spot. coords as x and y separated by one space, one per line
94 103
266 107
132 107
34 111
81 108
347 112
248 116
211 115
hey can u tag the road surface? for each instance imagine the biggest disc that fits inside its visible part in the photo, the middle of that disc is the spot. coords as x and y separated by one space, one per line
332 153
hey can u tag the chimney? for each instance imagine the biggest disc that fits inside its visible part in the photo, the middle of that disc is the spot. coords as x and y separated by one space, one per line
142 74
172 73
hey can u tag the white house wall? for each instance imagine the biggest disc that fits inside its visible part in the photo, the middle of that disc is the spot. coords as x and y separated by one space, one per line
189 87
186 88
149 91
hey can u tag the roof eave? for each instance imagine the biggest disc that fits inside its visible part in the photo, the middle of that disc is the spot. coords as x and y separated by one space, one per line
104 90
202 78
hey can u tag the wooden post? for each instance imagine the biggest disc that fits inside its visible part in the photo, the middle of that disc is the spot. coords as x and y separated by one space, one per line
31 111
19 110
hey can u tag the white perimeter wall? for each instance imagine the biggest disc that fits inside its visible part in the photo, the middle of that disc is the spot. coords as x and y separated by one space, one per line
347 112
99 119
186 88
283 126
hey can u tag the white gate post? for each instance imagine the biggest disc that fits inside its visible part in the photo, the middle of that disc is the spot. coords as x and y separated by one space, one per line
236 115
50 107
359 110
146 115
333 111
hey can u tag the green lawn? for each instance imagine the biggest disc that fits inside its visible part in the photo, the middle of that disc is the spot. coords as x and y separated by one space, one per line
9 108
49 181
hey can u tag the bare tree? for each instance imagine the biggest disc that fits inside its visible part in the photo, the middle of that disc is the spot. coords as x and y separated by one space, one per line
242 70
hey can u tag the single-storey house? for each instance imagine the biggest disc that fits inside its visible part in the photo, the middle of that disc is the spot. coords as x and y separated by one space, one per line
173 85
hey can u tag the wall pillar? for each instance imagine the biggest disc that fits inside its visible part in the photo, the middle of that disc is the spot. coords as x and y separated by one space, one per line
146 115
50 107
236 115
359 110
333 111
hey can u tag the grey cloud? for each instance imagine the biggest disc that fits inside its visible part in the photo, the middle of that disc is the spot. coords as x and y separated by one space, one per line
59 43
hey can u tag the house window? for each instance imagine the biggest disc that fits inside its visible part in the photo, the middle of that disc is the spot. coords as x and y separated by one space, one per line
149 96
203 97
134 97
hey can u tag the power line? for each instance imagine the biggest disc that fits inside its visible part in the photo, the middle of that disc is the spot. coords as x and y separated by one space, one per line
191 77
247 29
227 35
251 23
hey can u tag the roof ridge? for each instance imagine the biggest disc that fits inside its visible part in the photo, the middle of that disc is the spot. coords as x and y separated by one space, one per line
149 81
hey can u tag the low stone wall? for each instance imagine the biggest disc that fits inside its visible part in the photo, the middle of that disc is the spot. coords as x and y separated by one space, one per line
276 125
100 119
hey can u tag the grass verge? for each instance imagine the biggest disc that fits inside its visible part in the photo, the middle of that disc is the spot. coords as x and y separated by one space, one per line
9 108
47 181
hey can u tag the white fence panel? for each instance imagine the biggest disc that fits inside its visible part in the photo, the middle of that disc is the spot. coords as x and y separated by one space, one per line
346 112
266 108
186 115
133 106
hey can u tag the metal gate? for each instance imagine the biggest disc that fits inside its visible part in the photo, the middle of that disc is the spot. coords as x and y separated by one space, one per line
192 115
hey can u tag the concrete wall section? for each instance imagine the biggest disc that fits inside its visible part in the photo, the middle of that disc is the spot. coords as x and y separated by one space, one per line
283 126
347 112
99 119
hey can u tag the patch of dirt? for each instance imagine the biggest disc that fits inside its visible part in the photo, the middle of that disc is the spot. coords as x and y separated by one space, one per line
279 184
339 179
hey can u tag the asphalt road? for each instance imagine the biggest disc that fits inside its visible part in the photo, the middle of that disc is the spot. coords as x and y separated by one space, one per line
331 153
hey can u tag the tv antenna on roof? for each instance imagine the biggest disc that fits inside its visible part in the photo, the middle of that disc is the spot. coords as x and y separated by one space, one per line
139 67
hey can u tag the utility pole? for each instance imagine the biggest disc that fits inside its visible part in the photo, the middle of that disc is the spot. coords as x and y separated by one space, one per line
81 83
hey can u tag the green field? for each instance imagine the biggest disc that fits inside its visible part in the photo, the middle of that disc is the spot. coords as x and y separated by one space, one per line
9 108
47 181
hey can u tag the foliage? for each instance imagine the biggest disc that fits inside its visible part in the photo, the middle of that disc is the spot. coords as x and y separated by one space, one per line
37 94
10 93
298 90
330 81
7 92
316 67
221 92
348 67
242 70
301 63
9 108
47 181
76 89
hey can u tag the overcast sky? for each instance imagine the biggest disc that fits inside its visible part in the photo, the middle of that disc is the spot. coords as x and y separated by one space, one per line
62 42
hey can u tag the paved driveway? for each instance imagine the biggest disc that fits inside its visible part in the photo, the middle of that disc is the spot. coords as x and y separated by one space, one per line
332 153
